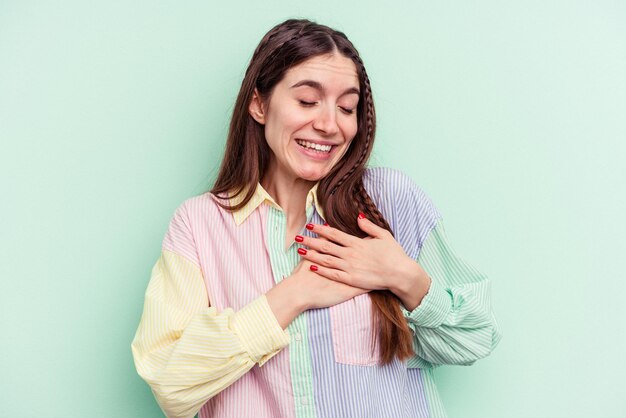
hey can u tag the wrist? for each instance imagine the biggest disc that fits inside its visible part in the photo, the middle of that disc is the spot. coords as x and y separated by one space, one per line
412 285
285 302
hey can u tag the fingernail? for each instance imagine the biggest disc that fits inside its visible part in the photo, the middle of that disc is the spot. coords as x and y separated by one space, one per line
325 223
309 226
301 251
361 215
313 267
299 238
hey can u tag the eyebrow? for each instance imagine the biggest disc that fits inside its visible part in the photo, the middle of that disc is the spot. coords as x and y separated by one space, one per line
316 85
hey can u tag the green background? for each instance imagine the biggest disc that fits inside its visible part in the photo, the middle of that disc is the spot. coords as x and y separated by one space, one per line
510 115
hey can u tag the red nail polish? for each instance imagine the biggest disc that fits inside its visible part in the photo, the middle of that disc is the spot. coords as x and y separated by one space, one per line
309 227
325 223
361 215
313 267
299 238
301 251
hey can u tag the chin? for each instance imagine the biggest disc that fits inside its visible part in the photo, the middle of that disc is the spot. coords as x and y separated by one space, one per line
312 175
311 178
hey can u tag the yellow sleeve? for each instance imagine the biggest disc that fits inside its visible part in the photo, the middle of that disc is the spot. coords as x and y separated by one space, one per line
188 352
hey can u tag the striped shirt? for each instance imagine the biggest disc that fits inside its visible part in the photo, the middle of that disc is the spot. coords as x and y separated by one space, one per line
209 343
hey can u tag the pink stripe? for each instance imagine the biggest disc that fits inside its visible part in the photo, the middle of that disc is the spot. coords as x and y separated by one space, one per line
179 238
352 332
236 269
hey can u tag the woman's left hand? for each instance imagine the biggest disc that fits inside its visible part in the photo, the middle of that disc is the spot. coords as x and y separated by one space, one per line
374 262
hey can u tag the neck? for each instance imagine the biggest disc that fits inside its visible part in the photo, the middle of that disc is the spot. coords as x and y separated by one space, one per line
289 192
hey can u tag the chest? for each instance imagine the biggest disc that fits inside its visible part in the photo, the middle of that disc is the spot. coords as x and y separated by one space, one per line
243 262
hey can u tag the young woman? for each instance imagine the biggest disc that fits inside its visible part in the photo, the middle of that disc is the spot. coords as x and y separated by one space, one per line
305 284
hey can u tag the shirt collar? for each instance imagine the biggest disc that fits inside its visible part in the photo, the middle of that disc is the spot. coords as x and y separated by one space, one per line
261 195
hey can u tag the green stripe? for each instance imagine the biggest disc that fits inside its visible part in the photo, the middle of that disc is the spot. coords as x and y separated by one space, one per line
283 263
435 405
439 259
454 323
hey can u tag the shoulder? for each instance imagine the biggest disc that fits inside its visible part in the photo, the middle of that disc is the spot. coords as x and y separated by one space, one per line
191 219
389 186
197 209
387 178
408 209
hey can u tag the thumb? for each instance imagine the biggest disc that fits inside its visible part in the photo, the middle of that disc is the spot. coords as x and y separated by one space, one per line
370 227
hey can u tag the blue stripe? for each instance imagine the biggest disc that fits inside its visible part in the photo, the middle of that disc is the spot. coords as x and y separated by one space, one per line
343 390
394 391
410 213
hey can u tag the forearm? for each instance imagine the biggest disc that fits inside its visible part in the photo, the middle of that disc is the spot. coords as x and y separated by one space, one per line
411 285
212 351
188 352
454 322
285 302
454 325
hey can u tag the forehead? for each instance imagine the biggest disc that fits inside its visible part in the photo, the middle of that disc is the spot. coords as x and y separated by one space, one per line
330 70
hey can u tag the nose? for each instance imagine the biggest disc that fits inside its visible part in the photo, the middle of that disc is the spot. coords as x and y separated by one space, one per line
326 121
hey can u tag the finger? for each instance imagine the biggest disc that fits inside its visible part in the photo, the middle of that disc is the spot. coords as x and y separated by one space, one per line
332 274
332 234
370 227
322 245
324 260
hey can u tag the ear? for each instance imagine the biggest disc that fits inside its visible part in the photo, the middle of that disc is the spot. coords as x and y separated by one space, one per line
256 108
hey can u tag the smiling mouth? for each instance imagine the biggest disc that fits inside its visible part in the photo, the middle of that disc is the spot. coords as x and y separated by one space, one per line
322 149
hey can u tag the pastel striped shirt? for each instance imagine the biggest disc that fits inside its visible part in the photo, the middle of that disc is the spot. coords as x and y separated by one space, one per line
208 342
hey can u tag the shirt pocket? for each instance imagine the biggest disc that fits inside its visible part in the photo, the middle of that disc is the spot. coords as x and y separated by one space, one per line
352 333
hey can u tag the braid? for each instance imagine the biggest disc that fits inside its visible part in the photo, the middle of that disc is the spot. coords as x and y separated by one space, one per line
369 207
385 304
369 120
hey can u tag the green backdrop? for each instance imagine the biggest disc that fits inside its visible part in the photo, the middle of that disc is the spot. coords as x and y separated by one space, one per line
511 115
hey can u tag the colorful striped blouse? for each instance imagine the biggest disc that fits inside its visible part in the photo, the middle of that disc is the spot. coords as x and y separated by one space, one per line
209 343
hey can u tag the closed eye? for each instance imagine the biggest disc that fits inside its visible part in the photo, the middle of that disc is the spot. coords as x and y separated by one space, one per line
346 110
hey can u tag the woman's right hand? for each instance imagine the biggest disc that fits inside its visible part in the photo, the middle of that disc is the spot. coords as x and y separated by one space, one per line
305 290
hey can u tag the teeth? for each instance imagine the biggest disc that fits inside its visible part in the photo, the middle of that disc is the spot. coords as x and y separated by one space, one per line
317 147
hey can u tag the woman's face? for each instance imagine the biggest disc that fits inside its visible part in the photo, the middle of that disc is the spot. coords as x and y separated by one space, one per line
311 118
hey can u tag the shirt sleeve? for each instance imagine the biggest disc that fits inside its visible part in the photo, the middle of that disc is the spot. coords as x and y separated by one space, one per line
454 323
187 351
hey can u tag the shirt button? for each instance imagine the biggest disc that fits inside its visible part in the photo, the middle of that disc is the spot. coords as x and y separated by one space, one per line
298 337
304 401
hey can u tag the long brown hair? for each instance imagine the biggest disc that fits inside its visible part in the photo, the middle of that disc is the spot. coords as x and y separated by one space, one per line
341 193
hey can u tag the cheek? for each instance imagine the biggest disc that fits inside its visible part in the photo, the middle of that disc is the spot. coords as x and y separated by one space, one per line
285 121
350 129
